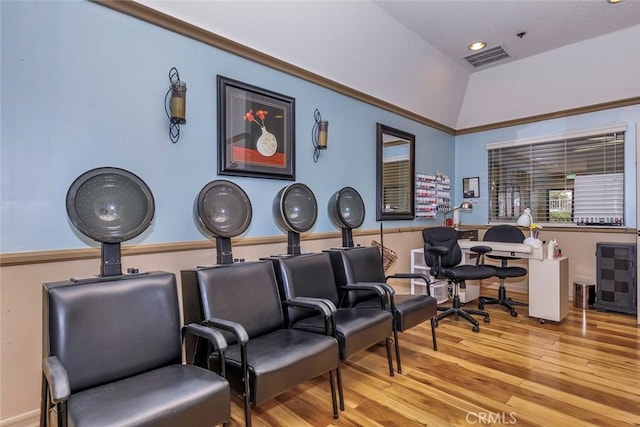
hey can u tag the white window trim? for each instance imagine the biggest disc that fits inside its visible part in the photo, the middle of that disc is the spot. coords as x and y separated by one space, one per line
557 137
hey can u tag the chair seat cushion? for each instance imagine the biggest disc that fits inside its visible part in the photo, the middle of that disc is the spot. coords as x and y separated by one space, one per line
467 272
281 360
168 396
504 273
358 328
411 310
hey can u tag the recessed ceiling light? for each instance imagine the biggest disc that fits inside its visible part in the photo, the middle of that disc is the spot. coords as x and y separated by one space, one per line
614 1
477 46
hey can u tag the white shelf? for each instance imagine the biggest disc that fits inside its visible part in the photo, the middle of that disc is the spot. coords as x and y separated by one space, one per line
418 266
433 195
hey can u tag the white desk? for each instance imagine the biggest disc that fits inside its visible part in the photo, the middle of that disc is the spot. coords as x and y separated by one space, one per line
519 250
548 278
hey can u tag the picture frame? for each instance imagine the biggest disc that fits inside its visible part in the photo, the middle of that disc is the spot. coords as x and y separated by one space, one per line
471 188
256 131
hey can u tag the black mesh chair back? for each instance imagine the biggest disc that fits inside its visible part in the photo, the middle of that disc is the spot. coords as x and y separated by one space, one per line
446 237
504 234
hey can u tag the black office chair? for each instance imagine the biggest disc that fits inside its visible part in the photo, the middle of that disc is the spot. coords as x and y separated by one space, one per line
264 357
311 275
113 356
443 254
364 265
505 234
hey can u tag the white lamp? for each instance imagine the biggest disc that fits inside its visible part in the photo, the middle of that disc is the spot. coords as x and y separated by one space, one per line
525 220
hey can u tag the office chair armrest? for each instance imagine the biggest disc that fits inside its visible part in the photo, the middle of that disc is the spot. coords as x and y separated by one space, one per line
57 379
226 325
324 306
437 250
214 337
480 250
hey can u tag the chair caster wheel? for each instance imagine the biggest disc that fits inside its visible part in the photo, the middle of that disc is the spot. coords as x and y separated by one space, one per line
514 314
487 319
480 306
475 328
541 321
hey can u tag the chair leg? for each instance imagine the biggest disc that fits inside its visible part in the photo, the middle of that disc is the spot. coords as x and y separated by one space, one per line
245 376
397 345
334 401
247 410
433 334
388 344
340 391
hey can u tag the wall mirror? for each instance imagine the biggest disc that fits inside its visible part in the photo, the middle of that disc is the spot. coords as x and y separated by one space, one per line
395 177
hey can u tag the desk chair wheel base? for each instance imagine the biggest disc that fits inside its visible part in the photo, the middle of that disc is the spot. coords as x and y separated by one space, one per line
457 311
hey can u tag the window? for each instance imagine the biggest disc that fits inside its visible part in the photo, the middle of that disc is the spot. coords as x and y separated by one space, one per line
575 178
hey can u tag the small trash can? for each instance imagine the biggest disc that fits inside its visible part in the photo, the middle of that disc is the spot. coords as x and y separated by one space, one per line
584 294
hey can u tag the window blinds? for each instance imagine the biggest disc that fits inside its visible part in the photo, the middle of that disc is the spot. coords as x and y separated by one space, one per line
578 178
396 192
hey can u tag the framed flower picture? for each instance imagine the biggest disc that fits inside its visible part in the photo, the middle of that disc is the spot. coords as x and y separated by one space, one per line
256 131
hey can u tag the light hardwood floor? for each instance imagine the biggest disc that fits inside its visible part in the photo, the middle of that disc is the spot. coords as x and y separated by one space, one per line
583 371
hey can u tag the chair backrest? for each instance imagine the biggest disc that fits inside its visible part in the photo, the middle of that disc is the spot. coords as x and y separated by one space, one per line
504 233
307 275
245 293
110 329
446 237
358 264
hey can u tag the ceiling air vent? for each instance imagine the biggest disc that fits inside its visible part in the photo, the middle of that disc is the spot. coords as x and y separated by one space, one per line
487 57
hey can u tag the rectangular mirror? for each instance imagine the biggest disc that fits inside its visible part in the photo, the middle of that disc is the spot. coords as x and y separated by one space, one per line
395 177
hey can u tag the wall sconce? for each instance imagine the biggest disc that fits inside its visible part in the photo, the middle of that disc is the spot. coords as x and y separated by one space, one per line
176 107
319 135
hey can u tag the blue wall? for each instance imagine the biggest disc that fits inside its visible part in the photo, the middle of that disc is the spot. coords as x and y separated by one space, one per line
83 87
471 154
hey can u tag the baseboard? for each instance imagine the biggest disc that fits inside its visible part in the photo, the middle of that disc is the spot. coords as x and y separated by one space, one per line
26 419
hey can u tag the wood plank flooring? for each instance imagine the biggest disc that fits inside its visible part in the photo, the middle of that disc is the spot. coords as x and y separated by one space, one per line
584 371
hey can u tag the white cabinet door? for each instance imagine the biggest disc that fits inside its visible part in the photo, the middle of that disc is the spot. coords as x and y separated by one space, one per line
549 288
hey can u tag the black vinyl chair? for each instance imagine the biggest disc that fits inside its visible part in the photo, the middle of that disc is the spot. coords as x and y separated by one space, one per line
264 357
365 265
113 356
505 234
311 275
443 254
